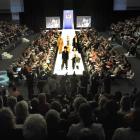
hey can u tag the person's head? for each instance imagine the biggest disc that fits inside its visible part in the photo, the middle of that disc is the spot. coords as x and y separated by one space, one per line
56 106
11 102
1 102
42 98
85 113
34 127
74 49
77 102
52 118
87 134
21 111
34 103
7 120
102 100
65 48
125 103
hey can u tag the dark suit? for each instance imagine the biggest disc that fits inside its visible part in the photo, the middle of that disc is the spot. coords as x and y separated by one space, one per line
65 57
76 44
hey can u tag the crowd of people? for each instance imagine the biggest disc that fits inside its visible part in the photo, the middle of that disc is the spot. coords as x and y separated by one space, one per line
129 32
53 115
70 107
37 60
101 59
10 33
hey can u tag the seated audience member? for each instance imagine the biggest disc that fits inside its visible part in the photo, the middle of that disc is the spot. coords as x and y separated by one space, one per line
34 127
21 111
86 121
133 131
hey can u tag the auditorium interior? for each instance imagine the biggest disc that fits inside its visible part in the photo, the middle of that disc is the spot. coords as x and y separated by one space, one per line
70 69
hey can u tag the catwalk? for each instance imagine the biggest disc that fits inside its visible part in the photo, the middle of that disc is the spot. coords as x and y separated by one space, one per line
69 71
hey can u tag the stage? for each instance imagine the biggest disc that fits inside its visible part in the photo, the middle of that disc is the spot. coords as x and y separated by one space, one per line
70 70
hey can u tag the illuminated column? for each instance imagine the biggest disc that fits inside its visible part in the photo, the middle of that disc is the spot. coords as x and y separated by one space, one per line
16 7
68 21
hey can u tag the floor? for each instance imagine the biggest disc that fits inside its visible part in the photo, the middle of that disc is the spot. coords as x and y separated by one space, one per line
70 70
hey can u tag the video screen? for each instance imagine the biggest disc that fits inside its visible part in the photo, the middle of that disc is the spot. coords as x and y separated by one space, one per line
83 21
52 22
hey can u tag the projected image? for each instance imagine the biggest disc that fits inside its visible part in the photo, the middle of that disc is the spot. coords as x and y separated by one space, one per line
83 21
52 22
68 19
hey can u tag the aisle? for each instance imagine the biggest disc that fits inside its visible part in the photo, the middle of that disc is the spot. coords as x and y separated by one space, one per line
70 71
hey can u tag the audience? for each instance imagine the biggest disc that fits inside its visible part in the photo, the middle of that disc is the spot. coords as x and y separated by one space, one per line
72 108
129 32
10 33
76 118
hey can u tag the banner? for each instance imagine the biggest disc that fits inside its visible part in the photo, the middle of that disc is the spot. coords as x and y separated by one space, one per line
68 22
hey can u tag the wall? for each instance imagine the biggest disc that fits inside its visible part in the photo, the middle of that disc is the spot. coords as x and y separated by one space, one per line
133 3
4 4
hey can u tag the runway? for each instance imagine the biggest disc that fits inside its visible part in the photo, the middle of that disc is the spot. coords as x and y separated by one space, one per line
69 71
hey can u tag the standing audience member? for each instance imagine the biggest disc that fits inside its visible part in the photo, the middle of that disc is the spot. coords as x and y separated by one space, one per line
34 127
22 111
43 107
133 131
86 121
7 124
11 103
